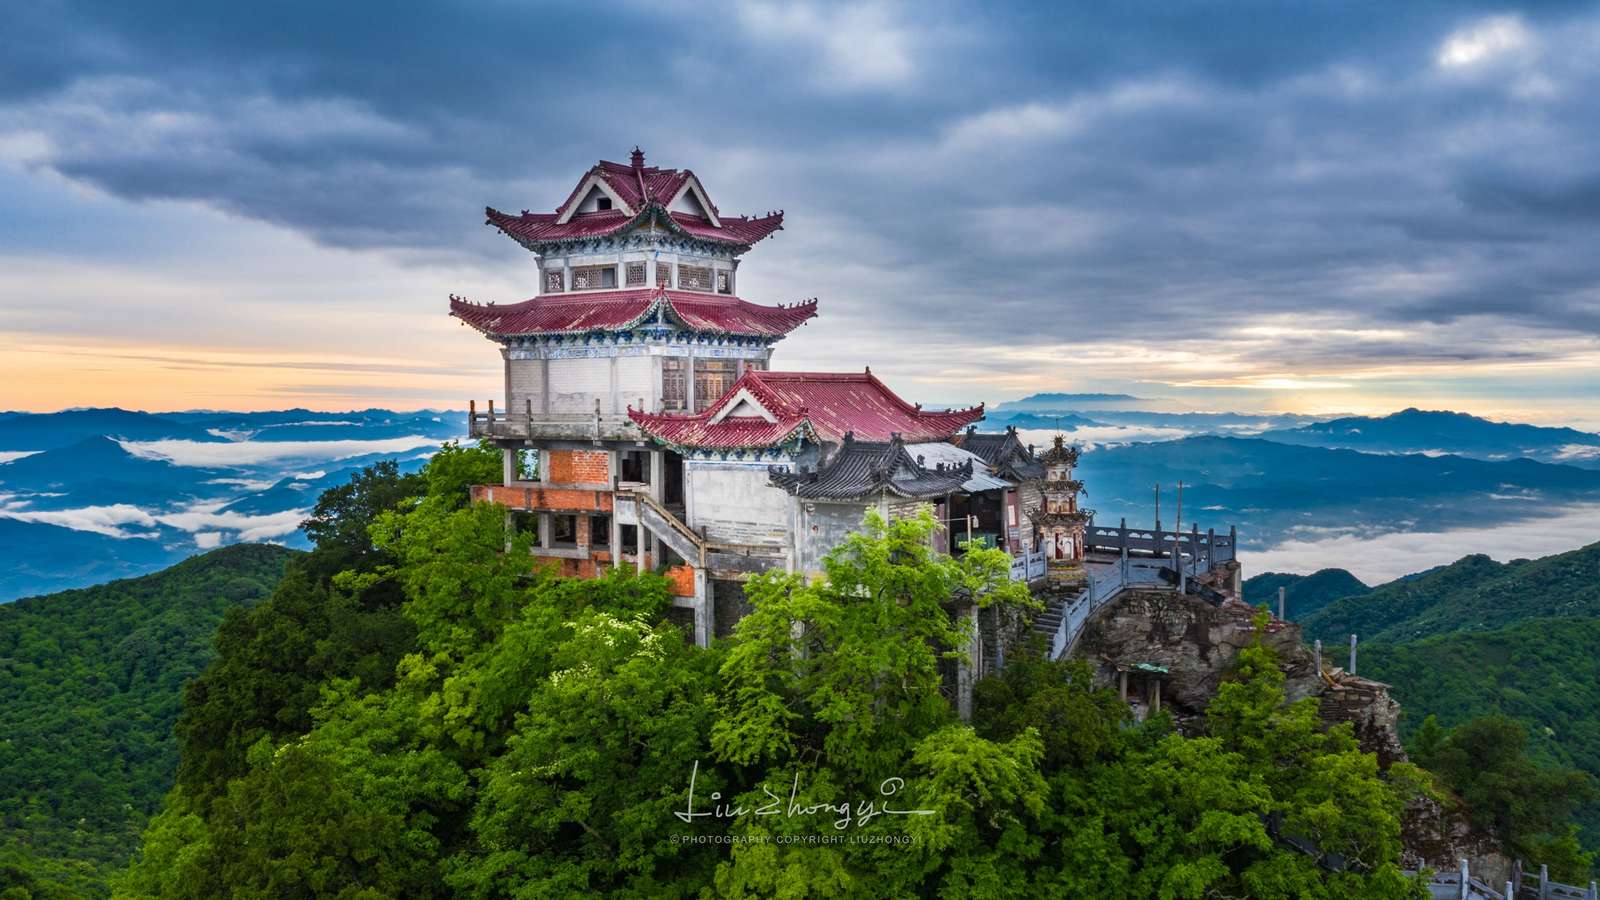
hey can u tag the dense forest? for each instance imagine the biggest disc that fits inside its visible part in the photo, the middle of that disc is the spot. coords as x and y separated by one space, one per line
91 682
417 713
1543 675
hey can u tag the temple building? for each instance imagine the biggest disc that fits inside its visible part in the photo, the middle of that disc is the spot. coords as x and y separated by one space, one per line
1005 455
642 422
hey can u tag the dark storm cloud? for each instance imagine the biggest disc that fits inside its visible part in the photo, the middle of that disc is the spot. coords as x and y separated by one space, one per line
945 166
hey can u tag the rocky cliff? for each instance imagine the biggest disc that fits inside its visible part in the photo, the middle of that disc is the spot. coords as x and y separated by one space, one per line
1160 644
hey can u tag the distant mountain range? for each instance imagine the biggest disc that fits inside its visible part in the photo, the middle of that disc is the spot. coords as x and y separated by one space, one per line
1053 401
89 495
1420 431
92 494
1275 491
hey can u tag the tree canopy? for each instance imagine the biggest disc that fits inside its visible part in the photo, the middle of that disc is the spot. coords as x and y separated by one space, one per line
534 736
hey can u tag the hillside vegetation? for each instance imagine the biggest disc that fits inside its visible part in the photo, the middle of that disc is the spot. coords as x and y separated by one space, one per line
1543 673
1302 594
465 724
90 685
1475 593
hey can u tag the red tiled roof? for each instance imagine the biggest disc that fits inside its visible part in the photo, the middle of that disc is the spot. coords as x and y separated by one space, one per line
539 228
645 189
613 310
825 405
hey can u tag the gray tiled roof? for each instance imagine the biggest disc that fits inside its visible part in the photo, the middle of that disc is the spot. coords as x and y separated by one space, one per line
862 468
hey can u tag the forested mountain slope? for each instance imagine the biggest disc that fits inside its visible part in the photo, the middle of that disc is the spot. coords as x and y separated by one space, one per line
91 681
1475 593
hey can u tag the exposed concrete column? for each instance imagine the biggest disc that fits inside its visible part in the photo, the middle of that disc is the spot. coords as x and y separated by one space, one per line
703 611
688 381
1316 656
614 472
658 493
1352 669
1466 882
1156 706
544 466
658 475
508 465
1281 605
1122 686
968 665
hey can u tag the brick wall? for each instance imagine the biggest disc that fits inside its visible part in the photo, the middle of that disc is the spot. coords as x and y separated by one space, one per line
533 496
682 581
580 467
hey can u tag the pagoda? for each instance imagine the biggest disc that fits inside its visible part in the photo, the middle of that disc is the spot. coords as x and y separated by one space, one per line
642 424
1058 519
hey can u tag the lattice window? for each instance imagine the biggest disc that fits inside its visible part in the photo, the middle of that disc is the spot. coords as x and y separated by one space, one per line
663 274
674 385
594 278
553 283
636 274
694 278
724 281
712 378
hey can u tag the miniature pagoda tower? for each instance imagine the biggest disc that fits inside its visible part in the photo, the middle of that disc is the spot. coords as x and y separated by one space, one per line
1058 518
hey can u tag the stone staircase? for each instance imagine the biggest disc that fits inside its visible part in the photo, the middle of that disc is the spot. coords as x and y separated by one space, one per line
639 508
1048 620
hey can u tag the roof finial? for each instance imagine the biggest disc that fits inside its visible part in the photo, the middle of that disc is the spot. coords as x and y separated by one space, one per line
638 157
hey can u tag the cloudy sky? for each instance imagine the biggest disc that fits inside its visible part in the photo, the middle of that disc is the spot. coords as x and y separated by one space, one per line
1320 207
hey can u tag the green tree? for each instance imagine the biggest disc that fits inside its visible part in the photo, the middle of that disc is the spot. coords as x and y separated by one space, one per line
1526 805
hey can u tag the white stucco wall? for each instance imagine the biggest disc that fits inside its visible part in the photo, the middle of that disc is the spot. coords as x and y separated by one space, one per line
524 383
576 383
735 503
